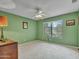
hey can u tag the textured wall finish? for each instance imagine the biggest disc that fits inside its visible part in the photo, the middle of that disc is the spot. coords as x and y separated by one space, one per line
15 30
70 32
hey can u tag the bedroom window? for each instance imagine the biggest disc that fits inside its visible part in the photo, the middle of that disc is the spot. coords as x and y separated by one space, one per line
54 29
57 29
47 29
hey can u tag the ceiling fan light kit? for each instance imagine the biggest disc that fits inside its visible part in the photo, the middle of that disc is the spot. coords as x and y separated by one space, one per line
39 14
38 17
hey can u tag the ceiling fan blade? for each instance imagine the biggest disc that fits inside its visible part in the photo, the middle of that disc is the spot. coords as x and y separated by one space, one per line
8 4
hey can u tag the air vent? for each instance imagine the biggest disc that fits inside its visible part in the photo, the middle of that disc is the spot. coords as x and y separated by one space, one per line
73 1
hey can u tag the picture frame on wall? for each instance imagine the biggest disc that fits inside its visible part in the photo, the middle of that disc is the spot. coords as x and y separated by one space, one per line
25 25
70 22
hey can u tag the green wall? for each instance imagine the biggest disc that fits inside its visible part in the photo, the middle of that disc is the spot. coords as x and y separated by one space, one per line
15 31
78 29
70 36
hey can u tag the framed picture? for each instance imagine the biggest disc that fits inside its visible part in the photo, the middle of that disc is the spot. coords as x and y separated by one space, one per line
25 25
70 22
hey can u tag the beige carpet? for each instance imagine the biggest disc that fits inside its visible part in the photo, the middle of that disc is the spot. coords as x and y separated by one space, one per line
44 50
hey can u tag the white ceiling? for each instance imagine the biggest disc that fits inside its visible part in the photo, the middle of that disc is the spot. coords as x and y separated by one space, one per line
51 8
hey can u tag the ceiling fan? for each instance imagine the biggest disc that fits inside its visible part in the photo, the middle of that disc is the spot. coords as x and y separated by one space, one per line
39 14
7 4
